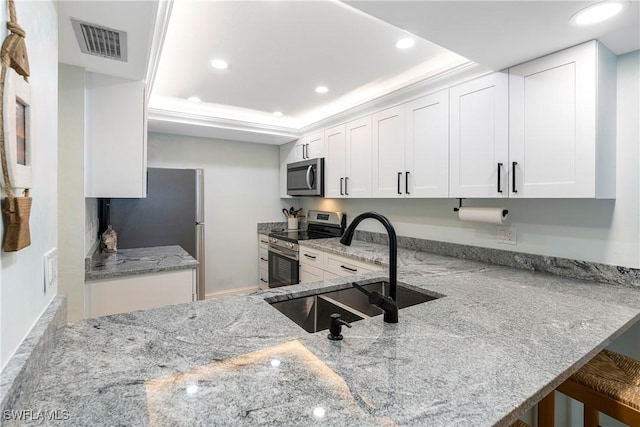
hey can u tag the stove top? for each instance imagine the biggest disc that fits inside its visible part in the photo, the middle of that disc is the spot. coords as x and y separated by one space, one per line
296 235
322 225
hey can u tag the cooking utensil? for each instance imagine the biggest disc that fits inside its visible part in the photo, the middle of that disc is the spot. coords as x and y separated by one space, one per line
286 212
291 210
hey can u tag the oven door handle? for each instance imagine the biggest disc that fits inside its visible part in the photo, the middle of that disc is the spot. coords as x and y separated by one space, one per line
286 254
310 177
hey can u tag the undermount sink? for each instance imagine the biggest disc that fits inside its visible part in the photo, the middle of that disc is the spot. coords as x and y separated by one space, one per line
312 312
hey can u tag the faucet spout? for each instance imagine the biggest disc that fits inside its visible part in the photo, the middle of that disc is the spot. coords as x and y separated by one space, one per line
393 245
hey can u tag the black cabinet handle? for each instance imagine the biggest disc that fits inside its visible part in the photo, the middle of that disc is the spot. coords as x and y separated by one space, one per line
346 181
310 256
406 182
499 169
399 176
263 281
265 260
264 241
513 171
341 182
347 268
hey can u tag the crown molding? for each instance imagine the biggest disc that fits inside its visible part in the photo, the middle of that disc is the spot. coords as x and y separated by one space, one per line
464 72
180 123
159 33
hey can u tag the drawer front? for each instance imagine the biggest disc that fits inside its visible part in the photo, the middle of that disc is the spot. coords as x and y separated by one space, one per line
345 267
264 256
263 241
311 257
263 281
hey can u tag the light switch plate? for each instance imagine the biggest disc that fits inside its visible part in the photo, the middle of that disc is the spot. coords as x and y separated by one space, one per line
50 269
507 235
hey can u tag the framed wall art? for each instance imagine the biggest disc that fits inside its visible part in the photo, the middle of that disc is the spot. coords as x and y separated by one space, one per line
17 127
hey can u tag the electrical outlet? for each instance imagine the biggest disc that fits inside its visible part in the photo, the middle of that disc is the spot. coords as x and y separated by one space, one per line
507 235
50 269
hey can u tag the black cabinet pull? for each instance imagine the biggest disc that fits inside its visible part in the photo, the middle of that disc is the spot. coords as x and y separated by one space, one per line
310 256
513 171
347 268
499 169
346 181
406 182
399 176
265 260
341 182
263 281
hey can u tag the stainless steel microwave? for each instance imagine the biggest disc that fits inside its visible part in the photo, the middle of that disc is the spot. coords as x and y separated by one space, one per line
306 178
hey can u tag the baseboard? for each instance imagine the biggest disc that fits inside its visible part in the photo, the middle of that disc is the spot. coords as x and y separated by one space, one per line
240 291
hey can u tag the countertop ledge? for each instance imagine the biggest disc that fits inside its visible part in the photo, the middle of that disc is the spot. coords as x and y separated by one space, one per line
130 262
497 342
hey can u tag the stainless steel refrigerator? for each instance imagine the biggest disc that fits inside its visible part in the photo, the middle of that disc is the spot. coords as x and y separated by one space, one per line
171 214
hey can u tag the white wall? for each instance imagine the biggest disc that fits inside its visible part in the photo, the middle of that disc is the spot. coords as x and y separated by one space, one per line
604 231
241 189
22 286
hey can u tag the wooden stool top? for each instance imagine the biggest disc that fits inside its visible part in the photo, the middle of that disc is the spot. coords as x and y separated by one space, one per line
613 375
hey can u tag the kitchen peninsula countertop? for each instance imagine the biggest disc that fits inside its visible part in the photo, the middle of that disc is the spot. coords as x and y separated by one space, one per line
128 262
497 342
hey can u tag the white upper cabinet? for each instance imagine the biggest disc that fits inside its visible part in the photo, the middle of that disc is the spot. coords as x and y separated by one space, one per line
388 152
479 137
286 154
562 124
427 146
309 147
335 162
357 180
116 142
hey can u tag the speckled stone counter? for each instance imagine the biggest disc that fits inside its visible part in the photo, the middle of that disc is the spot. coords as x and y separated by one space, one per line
496 342
267 227
128 262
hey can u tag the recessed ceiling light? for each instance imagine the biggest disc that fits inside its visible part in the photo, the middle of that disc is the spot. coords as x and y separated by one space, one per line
194 99
597 13
405 43
219 64
322 89
277 113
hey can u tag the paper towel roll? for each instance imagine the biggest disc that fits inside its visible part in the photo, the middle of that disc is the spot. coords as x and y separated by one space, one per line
488 215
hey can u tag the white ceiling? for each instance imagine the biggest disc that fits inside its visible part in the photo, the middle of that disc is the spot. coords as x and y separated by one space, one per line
279 51
500 34
137 18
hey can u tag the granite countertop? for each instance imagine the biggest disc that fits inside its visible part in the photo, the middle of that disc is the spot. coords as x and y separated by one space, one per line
497 342
129 262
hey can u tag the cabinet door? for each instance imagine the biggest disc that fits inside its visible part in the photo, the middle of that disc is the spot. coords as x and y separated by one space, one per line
116 164
552 124
388 153
335 161
315 146
285 156
358 158
427 146
309 273
298 152
479 137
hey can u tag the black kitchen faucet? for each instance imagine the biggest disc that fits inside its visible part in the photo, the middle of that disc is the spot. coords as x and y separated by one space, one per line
387 304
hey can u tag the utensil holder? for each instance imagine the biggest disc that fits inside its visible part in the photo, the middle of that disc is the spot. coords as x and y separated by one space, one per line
292 223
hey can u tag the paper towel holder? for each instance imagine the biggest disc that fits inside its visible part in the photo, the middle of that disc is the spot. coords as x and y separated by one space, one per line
505 212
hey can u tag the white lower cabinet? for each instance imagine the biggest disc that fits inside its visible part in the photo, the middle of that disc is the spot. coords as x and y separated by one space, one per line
140 292
263 261
318 265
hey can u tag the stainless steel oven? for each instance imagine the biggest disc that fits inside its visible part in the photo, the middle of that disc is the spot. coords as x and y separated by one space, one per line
306 178
283 263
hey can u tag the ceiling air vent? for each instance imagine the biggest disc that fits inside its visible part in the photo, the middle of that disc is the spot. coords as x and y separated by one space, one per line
100 41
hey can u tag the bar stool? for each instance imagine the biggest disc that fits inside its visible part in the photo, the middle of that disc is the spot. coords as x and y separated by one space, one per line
608 383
